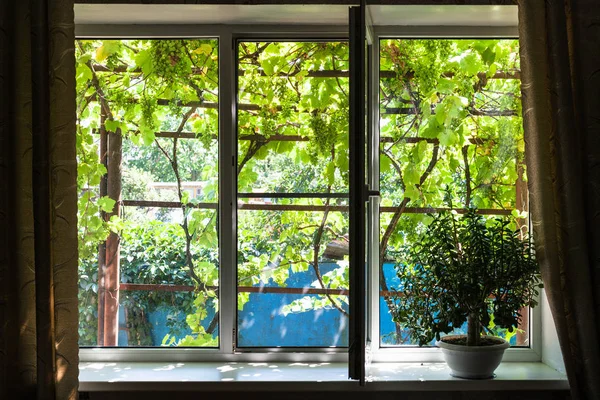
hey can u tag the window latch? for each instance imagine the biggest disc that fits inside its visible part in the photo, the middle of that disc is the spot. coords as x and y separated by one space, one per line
370 193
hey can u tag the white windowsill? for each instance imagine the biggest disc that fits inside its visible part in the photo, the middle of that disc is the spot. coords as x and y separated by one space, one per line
272 376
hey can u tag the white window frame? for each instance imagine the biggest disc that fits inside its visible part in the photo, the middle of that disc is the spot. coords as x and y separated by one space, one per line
227 36
532 353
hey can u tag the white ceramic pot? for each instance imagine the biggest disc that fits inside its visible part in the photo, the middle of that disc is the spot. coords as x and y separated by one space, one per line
473 362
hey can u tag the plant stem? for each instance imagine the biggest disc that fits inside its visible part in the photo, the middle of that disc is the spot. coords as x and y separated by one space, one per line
465 152
473 330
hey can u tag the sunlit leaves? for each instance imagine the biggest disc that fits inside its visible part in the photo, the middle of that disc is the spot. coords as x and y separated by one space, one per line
131 77
438 86
444 91
204 48
446 103
83 72
106 204
275 78
108 48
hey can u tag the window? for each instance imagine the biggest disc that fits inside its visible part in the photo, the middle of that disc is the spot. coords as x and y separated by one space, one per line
233 227
292 232
450 136
148 178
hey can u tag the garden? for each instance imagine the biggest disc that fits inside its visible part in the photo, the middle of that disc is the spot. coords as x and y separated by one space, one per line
148 177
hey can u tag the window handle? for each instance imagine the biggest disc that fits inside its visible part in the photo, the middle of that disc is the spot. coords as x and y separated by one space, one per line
370 193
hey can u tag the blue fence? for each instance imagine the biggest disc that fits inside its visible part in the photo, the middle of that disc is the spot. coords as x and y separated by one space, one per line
262 323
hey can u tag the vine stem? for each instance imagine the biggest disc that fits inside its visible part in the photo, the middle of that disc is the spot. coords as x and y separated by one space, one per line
317 248
174 165
465 153
392 227
253 148
188 237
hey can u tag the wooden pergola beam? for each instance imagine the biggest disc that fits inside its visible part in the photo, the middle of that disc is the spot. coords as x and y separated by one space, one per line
298 138
104 216
307 207
317 74
386 111
149 287
241 289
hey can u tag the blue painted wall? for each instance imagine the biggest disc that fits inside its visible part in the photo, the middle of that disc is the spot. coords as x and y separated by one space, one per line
262 324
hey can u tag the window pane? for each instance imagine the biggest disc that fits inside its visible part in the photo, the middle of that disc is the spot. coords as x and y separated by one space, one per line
155 102
286 295
292 154
450 120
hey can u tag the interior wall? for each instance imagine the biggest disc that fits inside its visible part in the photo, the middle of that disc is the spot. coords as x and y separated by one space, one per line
551 353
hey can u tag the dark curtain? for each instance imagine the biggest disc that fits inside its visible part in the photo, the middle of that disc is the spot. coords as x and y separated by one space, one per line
38 201
560 63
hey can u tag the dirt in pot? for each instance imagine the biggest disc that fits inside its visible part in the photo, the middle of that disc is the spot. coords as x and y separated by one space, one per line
462 341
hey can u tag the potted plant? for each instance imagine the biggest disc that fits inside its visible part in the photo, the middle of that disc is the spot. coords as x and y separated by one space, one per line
466 269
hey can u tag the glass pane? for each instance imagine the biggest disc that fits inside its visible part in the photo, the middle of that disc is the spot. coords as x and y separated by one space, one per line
159 97
292 142
293 278
148 175
451 136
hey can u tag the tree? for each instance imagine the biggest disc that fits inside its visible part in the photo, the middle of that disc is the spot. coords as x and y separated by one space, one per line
469 269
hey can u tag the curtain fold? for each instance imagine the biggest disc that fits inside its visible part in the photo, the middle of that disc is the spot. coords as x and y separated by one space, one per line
38 201
560 64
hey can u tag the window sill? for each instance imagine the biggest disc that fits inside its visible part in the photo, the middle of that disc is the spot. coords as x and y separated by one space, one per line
232 376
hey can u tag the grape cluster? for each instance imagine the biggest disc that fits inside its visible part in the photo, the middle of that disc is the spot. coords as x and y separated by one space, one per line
324 135
268 124
171 61
148 107
120 99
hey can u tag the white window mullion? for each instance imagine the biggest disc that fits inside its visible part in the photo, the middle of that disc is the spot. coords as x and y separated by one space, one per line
373 205
227 193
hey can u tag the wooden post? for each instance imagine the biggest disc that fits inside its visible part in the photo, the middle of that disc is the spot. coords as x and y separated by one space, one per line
522 205
102 246
111 273
522 197
523 337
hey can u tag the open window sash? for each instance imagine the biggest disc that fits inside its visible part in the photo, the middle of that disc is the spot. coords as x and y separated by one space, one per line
363 186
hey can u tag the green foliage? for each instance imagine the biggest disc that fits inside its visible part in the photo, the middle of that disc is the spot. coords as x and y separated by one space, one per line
150 253
443 86
450 121
88 302
291 103
127 79
447 82
274 243
465 267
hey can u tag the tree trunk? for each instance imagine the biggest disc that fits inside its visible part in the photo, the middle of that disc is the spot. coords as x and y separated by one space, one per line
473 330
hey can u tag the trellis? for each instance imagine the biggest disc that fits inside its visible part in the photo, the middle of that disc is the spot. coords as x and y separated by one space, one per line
111 157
